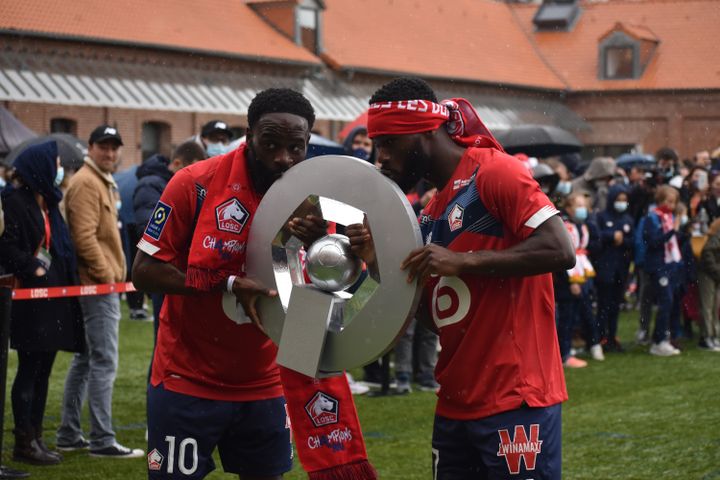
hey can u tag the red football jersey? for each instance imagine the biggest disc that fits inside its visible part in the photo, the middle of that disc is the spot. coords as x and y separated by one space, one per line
498 337
200 351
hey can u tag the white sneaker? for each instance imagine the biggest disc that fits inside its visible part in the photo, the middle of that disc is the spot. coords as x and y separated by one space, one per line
356 388
663 349
596 352
117 451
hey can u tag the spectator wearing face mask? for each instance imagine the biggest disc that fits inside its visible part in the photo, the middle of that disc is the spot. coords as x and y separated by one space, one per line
662 261
694 190
215 138
611 257
359 145
573 287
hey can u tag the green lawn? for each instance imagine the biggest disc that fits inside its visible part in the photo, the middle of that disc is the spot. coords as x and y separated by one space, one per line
632 417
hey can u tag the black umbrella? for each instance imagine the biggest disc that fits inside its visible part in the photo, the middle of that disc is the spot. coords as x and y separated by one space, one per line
538 140
71 149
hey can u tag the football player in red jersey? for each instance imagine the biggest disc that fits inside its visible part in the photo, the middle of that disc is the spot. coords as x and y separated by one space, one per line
492 238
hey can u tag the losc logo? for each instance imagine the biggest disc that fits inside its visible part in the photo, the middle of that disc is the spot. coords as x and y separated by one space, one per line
322 409
450 301
455 218
231 216
155 460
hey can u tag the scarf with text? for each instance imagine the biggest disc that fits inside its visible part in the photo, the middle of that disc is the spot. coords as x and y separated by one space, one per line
225 217
325 427
405 117
672 249
583 269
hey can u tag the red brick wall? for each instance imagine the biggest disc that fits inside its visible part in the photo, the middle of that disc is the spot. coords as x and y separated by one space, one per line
685 121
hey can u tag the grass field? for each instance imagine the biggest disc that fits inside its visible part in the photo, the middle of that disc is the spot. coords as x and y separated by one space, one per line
632 417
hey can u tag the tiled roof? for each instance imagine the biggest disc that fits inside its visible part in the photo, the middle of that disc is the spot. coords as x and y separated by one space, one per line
225 27
687 56
475 40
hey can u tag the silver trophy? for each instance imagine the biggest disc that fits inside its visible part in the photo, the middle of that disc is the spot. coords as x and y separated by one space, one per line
343 317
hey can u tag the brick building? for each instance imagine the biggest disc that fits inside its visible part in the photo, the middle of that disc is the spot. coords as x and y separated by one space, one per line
621 74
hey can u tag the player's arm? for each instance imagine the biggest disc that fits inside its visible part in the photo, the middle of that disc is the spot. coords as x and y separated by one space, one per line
548 249
513 197
152 275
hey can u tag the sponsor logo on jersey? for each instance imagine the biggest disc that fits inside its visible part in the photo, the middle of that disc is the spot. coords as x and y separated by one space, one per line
450 301
520 447
322 409
461 182
157 222
155 460
455 218
334 440
231 216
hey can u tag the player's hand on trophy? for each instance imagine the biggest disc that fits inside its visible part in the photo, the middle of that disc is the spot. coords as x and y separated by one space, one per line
308 228
361 242
247 290
432 259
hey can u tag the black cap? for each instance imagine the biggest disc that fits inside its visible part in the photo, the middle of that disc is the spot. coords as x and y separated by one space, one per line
215 126
103 133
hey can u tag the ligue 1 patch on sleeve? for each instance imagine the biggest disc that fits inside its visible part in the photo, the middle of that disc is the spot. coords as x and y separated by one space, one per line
157 221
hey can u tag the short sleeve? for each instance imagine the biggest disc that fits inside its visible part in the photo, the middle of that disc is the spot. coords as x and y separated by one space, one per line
511 195
169 231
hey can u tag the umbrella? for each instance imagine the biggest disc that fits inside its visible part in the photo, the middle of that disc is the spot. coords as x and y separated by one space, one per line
71 149
538 140
318 145
12 132
361 120
626 161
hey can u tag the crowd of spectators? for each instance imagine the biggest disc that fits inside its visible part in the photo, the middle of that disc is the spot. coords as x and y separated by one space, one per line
646 233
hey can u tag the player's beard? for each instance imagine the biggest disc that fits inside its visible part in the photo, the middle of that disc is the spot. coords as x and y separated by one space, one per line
262 177
415 166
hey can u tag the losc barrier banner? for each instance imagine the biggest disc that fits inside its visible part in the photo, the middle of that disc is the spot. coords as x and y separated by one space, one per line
71 291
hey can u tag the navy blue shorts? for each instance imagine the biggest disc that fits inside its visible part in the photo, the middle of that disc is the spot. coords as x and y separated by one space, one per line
519 444
253 438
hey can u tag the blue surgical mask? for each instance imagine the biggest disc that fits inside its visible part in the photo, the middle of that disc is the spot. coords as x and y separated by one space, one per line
59 176
683 220
620 206
563 188
360 153
581 214
2 183
215 149
118 204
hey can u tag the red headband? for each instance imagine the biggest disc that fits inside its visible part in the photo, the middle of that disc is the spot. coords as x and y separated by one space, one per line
404 117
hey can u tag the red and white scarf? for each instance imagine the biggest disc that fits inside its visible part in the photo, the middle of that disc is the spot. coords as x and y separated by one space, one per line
672 249
405 117
583 269
333 450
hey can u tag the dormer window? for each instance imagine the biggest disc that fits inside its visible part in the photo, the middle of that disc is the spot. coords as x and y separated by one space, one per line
308 26
625 51
619 62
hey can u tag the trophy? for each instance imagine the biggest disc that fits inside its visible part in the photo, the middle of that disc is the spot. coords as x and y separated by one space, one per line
329 314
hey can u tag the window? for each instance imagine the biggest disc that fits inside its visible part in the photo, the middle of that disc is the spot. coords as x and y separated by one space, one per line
63 125
619 62
308 26
155 139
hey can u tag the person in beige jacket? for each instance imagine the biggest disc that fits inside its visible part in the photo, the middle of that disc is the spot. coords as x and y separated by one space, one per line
92 203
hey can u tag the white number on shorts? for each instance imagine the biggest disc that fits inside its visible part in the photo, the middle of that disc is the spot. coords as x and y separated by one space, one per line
181 455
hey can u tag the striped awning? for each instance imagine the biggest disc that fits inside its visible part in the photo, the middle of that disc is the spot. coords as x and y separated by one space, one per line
66 80
107 83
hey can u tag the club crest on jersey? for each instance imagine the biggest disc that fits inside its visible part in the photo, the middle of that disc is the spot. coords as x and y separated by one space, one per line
520 447
455 218
322 409
155 460
157 222
231 216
